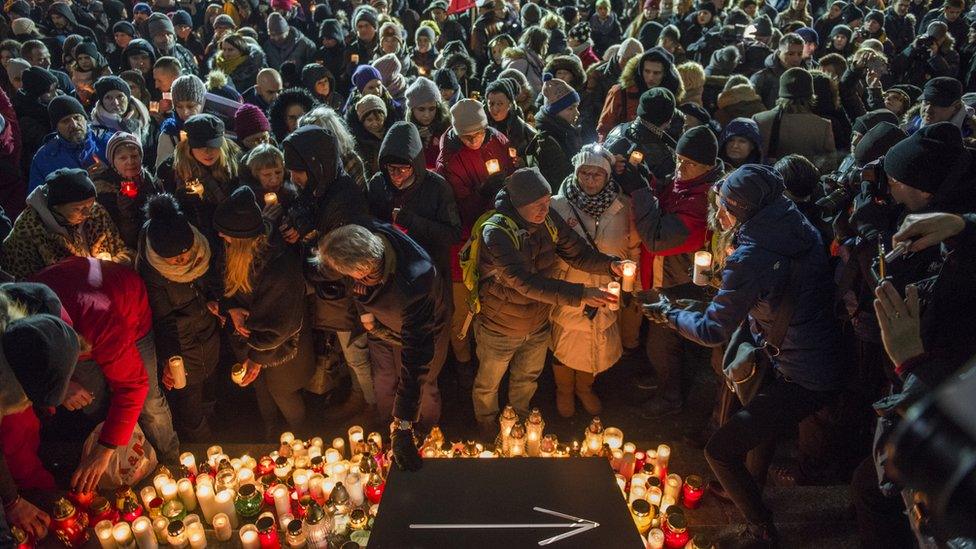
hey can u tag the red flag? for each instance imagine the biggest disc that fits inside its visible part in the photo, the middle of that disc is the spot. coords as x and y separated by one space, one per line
458 6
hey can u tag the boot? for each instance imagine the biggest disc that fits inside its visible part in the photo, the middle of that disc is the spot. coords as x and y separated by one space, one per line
565 400
353 405
584 390
752 536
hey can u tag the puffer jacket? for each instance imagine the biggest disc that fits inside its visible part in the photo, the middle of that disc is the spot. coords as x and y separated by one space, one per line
518 287
766 81
125 211
515 128
623 98
57 153
39 239
740 101
297 48
753 280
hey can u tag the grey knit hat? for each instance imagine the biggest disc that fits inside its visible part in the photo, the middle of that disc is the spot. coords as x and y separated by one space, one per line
423 91
527 185
188 87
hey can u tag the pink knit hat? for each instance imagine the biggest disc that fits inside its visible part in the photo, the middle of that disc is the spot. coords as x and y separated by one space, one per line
250 120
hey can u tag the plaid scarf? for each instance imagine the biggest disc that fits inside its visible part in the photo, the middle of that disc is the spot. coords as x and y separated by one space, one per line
594 205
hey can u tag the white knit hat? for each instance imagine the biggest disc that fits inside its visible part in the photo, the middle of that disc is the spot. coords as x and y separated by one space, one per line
594 155
629 48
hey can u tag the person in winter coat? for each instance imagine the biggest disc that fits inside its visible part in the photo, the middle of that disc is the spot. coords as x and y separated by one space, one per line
788 55
331 53
116 109
328 119
558 140
605 29
529 57
75 144
367 80
369 131
738 101
424 52
950 15
262 277
899 24
117 379
31 103
286 43
579 42
163 37
800 131
593 205
175 262
88 65
360 51
672 220
496 51
185 35
505 115
654 68
61 22
474 160
287 109
774 239
921 61
240 59
428 112
828 107
455 58
189 94
320 82
697 24
267 87
123 185
740 143
644 142
512 329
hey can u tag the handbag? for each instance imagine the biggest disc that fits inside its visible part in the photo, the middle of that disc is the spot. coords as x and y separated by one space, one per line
745 364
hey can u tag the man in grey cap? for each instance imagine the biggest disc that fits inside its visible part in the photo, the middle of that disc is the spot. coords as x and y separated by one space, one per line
163 37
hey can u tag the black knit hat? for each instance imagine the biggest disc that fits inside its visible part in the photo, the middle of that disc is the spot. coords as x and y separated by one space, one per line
877 141
239 216
167 229
182 17
656 106
38 81
62 106
764 26
851 13
204 130
109 83
124 27
67 185
796 83
507 86
698 144
876 16
446 79
862 124
42 351
924 159
942 91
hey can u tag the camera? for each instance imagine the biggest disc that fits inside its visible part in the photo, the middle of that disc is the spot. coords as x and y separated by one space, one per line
870 179
300 216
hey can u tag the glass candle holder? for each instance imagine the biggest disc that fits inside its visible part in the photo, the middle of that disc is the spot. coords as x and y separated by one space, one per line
176 535
248 502
196 536
640 511
339 444
177 370
692 492
655 539
630 273
160 529
534 426
613 437
548 446
355 435
663 459
184 489
174 510
268 532
672 486
189 461
703 264
142 529
122 533
675 529
593 442
101 509
295 534
614 288
103 531
249 537
147 494
358 519
221 526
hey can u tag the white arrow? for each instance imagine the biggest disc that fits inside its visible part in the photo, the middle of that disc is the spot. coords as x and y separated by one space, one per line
578 526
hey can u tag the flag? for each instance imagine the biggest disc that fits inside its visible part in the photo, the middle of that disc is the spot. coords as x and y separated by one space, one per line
458 6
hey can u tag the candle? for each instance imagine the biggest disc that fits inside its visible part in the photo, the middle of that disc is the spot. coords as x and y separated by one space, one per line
212 451
492 166
205 497
221 526
245 476
613 437
637 491
672 486
355 439
340 446
176 534
128 189
192 518
224 503
267 532
196 536
654 495
692 492
354 58
282 499
666 502
627 280
185 488
194 186
169 491
142 528
703 263
147 494
187 460
354 485
315 483
663 457
655 539
182 135
622 484
270 199
249 537
614 288
643 514
534 426
160 526
122 533
103 530
636 157
159 481
154 107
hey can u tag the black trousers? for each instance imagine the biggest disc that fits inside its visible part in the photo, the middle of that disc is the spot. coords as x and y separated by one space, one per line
775 411
881 520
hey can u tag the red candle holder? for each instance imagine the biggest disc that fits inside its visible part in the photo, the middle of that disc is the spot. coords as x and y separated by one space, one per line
22 539
70 524
374 488
692 492
639 458
267 533
675 529
131 510
101 509
269 482
264 467
128 189
81 500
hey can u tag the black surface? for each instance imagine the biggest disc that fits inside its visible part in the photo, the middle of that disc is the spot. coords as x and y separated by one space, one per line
480 491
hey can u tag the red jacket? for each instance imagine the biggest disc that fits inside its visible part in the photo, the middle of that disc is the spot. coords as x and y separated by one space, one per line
588 57
109 308
466 171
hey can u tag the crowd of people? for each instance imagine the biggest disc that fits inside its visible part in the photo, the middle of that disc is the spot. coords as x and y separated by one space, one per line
198 187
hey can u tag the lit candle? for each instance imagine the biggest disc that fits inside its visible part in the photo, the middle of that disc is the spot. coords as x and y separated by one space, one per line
613 437
147 494
298 450
315 483
355 439
249 537
185 488
205 497
145 537
636 157
270 199
627 280
159 526
655 539
692 492
196 536
103 530
614 288
637 492
245 476
665 503
194 186
176 534
492 166
177 371
703 263
159 481
122 533
282 499
221 526
214 450
672 486
663 457
512 152
622 484
169 491
182 135
224 503
354 485
300 479
654 495
187 460
354 58
340 446
237 373
534 426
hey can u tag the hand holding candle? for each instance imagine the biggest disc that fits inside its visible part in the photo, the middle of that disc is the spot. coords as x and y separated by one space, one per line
628 272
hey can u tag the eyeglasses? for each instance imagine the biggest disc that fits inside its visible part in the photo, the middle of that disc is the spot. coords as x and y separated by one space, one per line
394 169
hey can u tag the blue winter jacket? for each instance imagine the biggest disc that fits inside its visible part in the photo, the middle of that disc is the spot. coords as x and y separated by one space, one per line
57 153
753 282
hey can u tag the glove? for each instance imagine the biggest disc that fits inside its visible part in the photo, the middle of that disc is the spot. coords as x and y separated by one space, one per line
405 453
658 311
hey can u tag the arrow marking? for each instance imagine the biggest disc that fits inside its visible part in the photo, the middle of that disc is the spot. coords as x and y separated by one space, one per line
578 526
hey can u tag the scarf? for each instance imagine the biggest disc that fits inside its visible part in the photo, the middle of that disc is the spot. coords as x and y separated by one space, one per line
132 122
592 205
578 50
229 66
183 274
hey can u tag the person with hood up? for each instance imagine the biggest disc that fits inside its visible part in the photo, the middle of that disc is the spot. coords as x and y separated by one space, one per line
428 112
321 83
140 56
163 37
529 56
585 346
175 262
454 57
240 58
558 138
286 43
740 143
643 144
74 144
424 52
287 109
31 103
391 74
124 185
698 23
61 22
604 27
116 109
654 68
331 52
787 56
448 86
773 238
505 115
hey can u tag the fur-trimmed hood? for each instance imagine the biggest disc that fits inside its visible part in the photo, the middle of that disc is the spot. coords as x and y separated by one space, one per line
631 77
737 94
569 63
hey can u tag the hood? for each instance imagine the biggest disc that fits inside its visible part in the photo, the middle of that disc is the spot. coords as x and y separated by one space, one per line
402 145
461 58
741 127
37 200
780 228
64 10
737 94
631 75
314 150
723 62
332 29
572 64
139 45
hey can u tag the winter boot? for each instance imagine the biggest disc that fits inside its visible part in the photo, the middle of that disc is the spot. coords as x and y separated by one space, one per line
584 390
565 399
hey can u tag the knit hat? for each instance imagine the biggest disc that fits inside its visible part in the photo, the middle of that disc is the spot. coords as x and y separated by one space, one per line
182 18
188 87
468 116
224 21
120 140
796 83
862 124
557 95
656 106
124 27
526 185
365 13
851 13
942 91
38 81
23 26
749 189
423 91
277 24
764 26
142 7
16 68
629 49
505 86
62 106
426 31
312 74
109 83
19 8
923 160
580 31
698 144
365 74
42 351
594 155
446 79
709 7
808 35
697 111
250 120
876 16
937 29
160 23
391 29
167 229
531 15
877 141
204 130
67 185
368 104
389 68
239 216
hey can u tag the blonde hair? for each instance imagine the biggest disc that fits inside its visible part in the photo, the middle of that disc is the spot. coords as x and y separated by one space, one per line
224 171
264 156
242 261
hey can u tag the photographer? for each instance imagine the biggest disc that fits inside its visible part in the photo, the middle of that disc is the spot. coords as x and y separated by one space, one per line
930 55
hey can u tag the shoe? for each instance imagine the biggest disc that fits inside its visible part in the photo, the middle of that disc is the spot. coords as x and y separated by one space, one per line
659 407
646 382
565 391
488 431
354 405
751 536
716 489
584 391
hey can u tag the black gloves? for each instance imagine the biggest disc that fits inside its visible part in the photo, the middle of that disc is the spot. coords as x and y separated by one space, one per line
405 453
658 311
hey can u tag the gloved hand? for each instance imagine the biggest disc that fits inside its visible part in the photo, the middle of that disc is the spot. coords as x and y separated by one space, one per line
405 453
658 311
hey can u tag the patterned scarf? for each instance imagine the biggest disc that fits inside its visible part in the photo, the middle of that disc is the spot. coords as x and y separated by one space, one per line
594 205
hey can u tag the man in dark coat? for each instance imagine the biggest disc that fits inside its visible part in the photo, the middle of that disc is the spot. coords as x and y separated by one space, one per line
898 26
163 37
643 143
788 55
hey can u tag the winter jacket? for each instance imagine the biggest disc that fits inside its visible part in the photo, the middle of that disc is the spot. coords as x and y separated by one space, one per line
799 133
766 81
40 238
199 210
297 49
125 210
466 173
753 283
605 32
958 28
588 57
527 62
738 102
57 153
745 128
656 146
900 30
518 286
515 128
427 210
624 97
252 96
578 342
109 308
187 60
244 74
35 125
554 147
12 189
916 67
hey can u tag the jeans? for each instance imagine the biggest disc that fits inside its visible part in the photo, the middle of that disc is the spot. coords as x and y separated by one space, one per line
523 356
156 420
462 346
356 352
386 377
775 411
